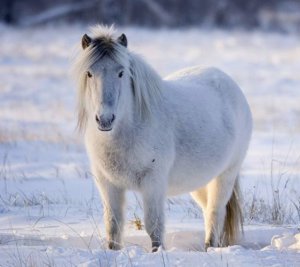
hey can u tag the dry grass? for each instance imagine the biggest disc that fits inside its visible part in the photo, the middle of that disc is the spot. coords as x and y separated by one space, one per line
279 210
51 135
137 222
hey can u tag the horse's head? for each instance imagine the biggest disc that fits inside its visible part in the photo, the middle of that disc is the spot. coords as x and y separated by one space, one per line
114 84
107 79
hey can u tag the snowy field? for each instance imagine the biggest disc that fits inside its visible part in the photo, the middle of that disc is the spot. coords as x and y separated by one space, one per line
50 211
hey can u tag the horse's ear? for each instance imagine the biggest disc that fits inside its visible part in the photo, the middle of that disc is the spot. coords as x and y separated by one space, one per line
122 40
85 41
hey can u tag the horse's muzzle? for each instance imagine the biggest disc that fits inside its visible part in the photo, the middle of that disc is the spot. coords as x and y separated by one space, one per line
105 122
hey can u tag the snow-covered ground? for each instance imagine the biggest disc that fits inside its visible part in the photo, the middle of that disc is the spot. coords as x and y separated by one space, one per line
50 211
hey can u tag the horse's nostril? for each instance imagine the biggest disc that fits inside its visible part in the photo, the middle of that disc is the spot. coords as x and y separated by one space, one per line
97 118
113 117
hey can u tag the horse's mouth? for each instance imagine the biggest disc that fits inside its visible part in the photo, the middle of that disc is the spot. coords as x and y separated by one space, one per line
104 129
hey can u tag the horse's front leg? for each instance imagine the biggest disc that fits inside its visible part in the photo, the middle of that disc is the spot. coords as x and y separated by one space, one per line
113 206
153 200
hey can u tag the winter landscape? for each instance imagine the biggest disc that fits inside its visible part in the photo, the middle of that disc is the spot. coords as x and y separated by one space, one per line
50 210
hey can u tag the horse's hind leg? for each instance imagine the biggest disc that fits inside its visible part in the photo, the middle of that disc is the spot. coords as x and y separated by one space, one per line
200 196
219 192
213 199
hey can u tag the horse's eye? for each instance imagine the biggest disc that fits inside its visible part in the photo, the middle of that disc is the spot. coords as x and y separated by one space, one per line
89 74
121 74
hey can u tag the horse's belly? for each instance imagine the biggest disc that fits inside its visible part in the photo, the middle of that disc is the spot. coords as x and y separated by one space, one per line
184 183
188 176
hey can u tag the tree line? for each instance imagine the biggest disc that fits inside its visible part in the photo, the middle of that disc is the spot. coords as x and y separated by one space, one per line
154 13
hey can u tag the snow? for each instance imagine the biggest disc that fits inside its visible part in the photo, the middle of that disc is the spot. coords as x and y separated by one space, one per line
50 211
286 241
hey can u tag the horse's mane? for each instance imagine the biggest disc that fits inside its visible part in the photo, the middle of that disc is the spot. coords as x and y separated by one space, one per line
146 83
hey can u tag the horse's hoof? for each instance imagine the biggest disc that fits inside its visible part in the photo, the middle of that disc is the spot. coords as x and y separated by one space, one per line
207 245
156 245
114 246
154 249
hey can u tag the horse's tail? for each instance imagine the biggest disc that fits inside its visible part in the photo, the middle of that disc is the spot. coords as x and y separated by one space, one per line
234 219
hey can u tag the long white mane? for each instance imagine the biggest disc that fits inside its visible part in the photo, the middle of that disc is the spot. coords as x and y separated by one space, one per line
145 82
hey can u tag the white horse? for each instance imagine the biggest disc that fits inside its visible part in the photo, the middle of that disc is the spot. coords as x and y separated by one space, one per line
186 133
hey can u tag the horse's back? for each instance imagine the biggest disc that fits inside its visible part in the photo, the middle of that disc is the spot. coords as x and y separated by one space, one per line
213 124
198 78
192 74
209 85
